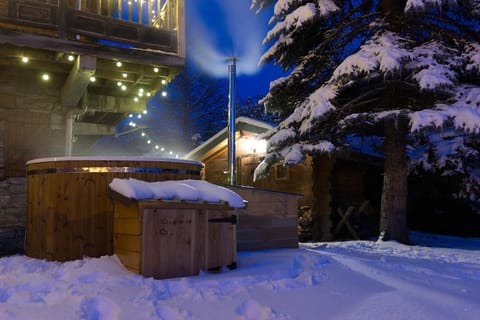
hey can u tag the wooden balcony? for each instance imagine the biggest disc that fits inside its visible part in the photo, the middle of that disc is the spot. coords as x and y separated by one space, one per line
144 24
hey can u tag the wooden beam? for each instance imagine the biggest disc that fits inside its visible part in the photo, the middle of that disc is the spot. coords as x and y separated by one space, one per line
84 129
140 56
78 80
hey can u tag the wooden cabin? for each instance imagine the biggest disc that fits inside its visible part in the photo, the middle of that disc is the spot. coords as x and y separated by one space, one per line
343 180
70 72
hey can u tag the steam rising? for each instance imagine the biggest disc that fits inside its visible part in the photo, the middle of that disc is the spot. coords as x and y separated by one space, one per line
218 29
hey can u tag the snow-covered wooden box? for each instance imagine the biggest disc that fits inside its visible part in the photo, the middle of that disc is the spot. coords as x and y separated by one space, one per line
174 238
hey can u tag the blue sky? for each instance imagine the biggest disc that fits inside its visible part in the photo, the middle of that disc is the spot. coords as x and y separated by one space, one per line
219 29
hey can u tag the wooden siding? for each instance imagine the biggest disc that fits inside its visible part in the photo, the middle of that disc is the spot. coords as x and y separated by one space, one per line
69 212
269 221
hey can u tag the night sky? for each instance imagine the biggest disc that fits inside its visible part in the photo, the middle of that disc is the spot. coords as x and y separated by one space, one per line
217 29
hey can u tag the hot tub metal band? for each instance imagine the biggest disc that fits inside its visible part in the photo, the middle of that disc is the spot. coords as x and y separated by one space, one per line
112 169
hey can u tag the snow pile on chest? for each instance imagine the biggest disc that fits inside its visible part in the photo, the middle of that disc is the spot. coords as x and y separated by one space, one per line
186 190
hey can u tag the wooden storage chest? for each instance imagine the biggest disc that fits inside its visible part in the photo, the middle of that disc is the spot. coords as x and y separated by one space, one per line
165 239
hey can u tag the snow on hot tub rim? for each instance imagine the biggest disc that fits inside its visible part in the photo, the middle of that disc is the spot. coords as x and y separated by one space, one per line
107 158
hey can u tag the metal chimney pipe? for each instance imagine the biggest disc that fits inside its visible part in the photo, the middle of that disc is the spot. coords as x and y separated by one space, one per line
232 88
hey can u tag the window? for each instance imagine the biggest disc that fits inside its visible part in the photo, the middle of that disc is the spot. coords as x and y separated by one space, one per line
282 172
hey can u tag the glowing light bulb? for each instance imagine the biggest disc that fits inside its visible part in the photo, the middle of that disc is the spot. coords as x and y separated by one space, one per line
144 111
139 116
130 115
25 59
149 141
70 57
164 82
164 93
124 75
93 79
119 84
156 147
45 77
118 64
143 134
148 94
162 149
135 99
124 88
155 70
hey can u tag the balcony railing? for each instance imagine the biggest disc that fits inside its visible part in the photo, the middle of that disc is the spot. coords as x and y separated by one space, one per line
151 24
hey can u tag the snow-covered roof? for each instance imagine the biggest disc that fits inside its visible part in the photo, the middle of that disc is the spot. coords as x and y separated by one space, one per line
242 123
180 190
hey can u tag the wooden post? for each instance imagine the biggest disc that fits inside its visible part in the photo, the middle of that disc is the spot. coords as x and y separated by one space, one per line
140 12
179 23
119 5
68 133
322 166
149 13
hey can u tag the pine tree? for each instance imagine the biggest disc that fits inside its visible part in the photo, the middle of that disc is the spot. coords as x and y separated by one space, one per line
392 67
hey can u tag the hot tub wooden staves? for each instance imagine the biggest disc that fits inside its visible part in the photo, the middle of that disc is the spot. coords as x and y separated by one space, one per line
69 213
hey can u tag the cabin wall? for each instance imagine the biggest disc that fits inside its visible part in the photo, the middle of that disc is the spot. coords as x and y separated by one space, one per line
293 179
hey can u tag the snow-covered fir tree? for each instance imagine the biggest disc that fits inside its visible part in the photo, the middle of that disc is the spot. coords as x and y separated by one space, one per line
386 67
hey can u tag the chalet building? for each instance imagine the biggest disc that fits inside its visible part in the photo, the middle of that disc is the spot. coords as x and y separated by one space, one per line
350 184
70 72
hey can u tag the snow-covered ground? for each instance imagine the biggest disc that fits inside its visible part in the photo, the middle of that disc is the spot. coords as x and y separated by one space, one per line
437 279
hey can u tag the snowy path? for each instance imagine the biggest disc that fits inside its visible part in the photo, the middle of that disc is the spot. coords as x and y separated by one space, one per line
417 287
352 280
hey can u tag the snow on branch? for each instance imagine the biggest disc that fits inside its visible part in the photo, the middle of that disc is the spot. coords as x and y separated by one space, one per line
435 64
292 21
464 112
472 54
318 104
420 5
385 52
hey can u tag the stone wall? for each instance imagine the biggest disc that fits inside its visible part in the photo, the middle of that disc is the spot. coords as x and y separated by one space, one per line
12 215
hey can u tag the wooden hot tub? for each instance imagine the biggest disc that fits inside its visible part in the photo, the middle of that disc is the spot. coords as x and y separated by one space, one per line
69 213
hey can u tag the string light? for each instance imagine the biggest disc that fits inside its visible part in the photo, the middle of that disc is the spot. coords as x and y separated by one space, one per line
25 59
70 57
119 83
118 64
164 93
45 77
135 99
164 82
155 70
124 75
124 88
93 79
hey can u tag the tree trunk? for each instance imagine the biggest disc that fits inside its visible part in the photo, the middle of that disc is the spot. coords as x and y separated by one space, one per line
322 166
393 212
